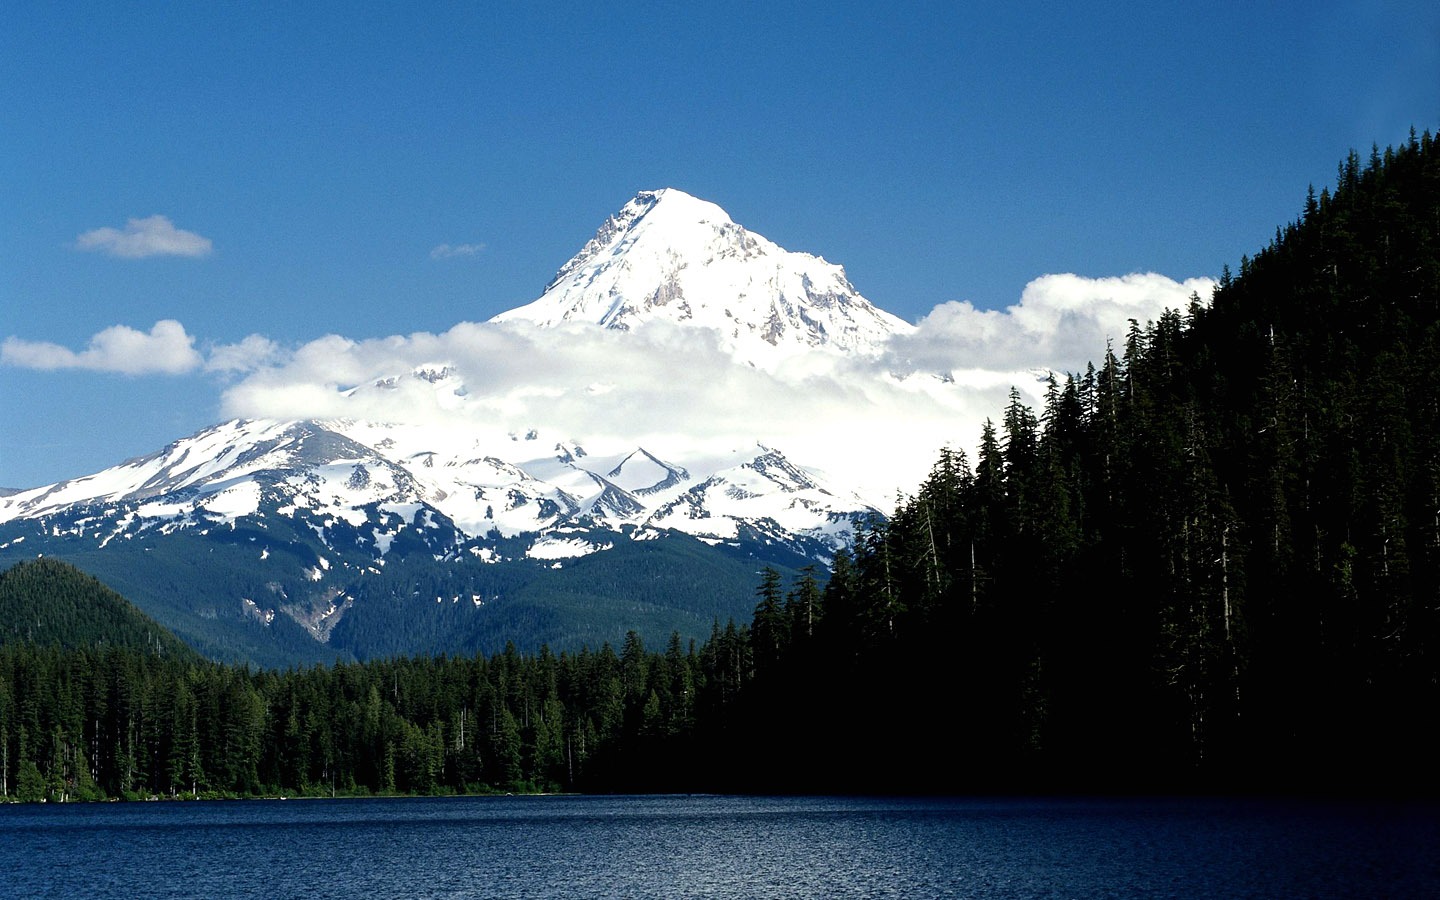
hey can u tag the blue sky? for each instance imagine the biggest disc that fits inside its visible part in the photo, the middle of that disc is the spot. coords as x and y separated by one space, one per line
307 163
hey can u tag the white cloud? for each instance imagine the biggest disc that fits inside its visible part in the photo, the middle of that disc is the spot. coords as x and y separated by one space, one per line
151 236
874 424
877 424
671 390
252 353
1061 323
165 349
449 251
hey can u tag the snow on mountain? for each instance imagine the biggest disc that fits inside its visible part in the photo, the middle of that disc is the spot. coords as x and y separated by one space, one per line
667 256
377 480
220 470
233 471
642 473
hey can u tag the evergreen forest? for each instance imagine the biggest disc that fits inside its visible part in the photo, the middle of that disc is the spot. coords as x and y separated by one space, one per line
1209 562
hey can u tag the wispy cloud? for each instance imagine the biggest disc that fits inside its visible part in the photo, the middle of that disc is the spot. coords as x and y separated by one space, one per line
165 349
140 238
252 353
450 251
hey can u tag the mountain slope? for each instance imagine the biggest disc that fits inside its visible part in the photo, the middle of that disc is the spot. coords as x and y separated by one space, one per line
366 482
49 603
669 257
300 541
1251 492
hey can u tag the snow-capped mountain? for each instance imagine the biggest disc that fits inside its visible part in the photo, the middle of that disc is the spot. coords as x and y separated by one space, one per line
667 256
288 542
337 527
541 498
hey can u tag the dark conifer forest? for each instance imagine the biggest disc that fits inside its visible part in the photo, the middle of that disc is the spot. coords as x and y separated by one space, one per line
1209 562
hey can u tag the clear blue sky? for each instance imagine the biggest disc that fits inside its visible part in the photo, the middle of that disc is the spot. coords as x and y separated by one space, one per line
939 151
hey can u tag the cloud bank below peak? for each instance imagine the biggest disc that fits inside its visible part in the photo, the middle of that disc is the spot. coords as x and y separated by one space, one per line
872 423
876 423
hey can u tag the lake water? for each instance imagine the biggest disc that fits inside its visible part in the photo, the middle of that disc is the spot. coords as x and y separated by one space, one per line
729 847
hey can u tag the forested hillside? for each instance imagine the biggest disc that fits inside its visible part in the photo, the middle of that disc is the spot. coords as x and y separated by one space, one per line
52 604
90 724
1211 561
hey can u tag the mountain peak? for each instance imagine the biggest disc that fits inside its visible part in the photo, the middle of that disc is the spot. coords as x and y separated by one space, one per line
669 256
675 204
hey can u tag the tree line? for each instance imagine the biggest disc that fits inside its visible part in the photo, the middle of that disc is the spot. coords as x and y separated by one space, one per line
119 722
1209 562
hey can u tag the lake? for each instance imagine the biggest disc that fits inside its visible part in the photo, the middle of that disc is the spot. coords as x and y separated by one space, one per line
721 846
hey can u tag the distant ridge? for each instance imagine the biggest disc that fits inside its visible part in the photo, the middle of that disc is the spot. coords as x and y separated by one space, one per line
49 603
